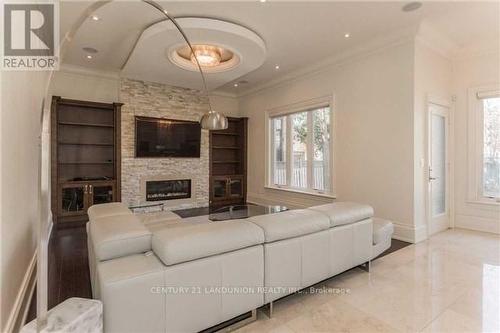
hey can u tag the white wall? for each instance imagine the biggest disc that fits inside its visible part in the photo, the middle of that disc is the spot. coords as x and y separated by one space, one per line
226 104
471 71
85 86
373 105
22 94
433 81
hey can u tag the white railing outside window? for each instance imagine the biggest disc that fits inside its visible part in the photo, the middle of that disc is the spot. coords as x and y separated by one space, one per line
300 150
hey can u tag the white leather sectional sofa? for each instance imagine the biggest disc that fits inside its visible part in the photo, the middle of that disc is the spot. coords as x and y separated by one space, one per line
189 277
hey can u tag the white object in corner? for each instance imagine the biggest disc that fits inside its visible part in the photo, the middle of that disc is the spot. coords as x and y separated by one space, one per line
72 315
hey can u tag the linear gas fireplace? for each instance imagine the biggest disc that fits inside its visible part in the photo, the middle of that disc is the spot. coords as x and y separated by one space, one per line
158 190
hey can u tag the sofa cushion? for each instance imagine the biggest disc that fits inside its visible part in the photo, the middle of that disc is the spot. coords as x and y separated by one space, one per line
107 209
289 224
341 213
382 230
194 241
118 236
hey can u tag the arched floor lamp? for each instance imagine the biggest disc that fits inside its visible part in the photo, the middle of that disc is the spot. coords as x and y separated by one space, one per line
212 120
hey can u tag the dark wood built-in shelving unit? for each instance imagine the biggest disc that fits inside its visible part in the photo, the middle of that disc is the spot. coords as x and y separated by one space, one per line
85 157
228 164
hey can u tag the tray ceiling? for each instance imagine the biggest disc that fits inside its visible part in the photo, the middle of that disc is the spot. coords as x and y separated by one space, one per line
296 34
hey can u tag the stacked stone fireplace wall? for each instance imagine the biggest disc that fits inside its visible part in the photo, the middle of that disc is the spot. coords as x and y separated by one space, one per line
161 101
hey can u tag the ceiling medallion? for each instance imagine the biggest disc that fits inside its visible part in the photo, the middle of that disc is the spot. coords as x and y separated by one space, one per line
212 58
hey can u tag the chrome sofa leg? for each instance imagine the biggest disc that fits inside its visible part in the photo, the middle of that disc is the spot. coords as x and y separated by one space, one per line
270 309
236 325
366 266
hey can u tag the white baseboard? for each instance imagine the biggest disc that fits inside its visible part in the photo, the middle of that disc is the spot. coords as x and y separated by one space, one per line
21 305
408 233
477 223
291 200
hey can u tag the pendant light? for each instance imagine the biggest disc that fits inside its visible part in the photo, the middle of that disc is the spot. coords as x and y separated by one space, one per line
212 120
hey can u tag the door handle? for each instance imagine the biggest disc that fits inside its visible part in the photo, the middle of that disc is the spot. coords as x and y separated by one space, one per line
430 177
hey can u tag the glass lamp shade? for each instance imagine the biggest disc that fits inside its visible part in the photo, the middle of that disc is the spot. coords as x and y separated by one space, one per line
213 121
207 56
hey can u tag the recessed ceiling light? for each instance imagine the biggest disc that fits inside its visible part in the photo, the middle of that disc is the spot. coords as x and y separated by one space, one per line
262 1
277 67
347 35
235 85
411 6
89 50
95 18
89 56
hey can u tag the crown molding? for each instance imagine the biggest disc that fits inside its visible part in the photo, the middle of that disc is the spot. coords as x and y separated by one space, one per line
435 40
74 69
357 52
482 48
223 94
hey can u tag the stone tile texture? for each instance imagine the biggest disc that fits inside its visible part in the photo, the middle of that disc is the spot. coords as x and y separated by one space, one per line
161 101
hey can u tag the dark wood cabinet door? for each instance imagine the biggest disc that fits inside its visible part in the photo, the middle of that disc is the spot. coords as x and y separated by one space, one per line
235 185
219 189
100 193
73 199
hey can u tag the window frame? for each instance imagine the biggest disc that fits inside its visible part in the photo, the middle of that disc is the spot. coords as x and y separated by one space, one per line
475 144
286 110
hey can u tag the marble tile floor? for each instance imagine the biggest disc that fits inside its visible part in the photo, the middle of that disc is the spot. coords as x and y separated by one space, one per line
449 283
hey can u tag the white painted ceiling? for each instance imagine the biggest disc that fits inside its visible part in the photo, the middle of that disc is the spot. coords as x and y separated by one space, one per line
297 34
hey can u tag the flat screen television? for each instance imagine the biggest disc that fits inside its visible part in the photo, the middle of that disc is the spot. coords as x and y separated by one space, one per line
158 137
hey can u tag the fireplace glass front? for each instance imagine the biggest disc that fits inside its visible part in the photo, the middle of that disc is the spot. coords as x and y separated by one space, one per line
158 190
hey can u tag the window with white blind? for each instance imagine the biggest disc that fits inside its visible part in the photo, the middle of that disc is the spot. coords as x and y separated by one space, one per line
300 150
484 123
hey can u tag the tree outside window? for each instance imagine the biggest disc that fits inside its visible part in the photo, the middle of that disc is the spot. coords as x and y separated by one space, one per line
491 147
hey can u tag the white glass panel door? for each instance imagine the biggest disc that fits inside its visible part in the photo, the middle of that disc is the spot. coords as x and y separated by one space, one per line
438 165
438 168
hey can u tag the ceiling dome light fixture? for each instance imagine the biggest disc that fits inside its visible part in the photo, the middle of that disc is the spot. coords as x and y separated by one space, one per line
207 55
212 58
211 120
411 6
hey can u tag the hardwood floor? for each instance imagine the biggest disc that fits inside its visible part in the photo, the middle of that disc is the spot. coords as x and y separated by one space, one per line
395 245
68 270
69 274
